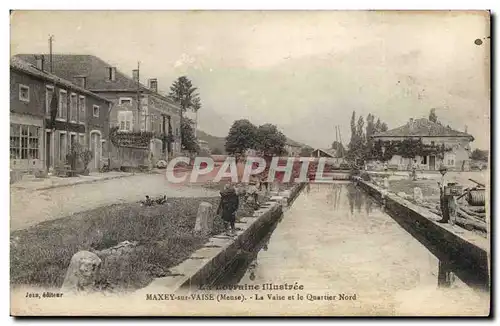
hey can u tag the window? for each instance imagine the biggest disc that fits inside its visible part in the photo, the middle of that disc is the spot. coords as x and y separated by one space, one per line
177 131
24 93
125 119
49 92
62 111
72 139
111 73
95 111
82 108
24 142
125 101
82 139
73 109
424 160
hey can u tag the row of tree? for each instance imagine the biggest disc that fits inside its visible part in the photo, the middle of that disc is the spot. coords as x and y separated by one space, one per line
244 135
361 143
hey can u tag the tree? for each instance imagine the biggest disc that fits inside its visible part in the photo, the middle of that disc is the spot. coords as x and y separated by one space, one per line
242 136
196 107
270 141
360 139
383 127
354 136
480 155
370 130
378 126
338 147
183 93
432 116
306 151
188 140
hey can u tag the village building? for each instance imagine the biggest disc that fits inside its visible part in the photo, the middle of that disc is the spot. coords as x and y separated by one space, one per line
456 145
334 157
292 147
37 141
138 110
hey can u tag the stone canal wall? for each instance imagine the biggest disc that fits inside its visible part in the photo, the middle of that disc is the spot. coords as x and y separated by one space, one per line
461 247
211 260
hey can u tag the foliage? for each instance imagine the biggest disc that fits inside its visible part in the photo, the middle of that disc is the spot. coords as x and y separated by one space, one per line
86 155
480 155
408 148
184 93
134 138
270 141
432 116
188 139
306 151
338 147
242 136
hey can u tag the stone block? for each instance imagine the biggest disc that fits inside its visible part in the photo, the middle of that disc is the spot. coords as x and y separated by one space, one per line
204 218
82 273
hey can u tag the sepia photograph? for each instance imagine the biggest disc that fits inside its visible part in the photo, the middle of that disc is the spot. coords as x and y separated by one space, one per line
250 163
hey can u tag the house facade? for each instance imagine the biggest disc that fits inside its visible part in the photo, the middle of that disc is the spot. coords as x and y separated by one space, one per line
456 145
292 147
37 144
136 108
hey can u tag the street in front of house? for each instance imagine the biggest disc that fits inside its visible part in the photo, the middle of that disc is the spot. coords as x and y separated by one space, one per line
29 208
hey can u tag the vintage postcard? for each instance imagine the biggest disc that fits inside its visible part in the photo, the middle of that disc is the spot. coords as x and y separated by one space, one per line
250 163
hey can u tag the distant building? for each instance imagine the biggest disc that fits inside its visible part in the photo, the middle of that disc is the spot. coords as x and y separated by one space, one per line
293 148
82 116
431 133
332 155
136 107
204 146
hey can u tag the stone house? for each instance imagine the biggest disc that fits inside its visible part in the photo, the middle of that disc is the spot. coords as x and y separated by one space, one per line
457 144
292 147
82 116
136 107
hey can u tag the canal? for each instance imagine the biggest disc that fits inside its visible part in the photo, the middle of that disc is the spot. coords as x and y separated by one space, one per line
337 242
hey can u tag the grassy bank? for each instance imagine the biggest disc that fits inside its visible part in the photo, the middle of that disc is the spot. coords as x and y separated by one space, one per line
41 254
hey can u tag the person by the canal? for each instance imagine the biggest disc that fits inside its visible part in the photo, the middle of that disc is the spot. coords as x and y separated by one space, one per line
228 206
447 201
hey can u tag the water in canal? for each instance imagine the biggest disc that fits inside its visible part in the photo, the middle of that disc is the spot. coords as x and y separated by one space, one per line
336 241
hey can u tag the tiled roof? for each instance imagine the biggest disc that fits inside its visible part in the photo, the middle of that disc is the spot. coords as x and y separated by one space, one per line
422 128
28 68
69 66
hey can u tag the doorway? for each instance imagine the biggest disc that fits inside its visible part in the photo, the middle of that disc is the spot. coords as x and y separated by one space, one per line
432 163
95 145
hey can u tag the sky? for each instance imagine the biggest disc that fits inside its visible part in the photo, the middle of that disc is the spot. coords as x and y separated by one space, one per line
305 71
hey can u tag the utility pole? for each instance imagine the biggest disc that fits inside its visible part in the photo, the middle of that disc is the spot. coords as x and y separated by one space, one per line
51 39
138 96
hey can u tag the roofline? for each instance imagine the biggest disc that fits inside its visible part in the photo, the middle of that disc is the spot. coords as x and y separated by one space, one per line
57 80
134 90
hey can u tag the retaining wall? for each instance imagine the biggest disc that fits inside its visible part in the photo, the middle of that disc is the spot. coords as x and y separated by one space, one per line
463 248
209 262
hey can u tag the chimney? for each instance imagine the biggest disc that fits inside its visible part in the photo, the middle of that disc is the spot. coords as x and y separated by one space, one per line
40 60
153 85
465 129
135 75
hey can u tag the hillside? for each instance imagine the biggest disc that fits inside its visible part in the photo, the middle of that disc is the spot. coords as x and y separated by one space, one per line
213 141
